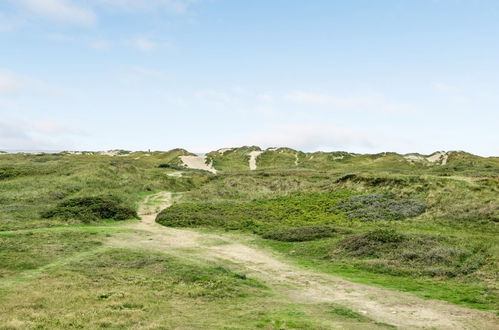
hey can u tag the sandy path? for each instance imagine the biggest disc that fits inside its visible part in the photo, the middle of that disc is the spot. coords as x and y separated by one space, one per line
392 307
253 156
197 163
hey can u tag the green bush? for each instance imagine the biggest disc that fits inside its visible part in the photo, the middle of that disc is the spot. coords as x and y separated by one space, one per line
91 208
12 172
300 234
259 216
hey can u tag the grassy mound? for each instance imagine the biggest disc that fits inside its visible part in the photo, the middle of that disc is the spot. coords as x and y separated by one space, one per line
259 216
312 210
388 251
93 208
374 207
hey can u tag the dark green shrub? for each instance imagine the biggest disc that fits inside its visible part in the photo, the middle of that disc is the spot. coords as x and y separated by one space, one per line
91 209
171 166
300 234
370 243
373 207
12 172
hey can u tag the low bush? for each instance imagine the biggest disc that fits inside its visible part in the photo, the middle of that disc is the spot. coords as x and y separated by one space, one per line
92 208
171 166
12 172
373 207
300 234
388 251
259 216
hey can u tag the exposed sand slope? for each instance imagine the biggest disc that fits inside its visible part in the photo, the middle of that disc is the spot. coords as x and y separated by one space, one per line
253 156
296 284
197 163
439 157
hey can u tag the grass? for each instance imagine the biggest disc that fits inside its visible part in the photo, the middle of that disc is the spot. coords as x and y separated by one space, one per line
426 229
29 250
122 288
447 252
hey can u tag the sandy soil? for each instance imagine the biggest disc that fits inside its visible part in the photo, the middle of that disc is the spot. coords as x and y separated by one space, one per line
197 163
294 283
253 156
438 157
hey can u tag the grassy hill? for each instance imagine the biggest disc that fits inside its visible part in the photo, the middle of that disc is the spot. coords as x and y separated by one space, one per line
424 224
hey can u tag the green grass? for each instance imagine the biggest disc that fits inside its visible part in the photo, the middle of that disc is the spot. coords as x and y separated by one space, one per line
449 252
56 273
28 250
475 290
122 288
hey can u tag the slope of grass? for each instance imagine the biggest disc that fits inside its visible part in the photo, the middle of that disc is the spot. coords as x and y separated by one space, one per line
234 159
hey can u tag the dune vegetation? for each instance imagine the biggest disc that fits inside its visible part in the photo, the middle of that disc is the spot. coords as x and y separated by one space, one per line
418 225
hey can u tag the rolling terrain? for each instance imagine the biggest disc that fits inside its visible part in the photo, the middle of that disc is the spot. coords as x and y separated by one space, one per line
248 238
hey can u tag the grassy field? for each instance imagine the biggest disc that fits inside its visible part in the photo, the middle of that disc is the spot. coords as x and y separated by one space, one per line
413 226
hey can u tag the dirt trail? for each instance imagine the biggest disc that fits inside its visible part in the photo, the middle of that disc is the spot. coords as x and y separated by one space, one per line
382 305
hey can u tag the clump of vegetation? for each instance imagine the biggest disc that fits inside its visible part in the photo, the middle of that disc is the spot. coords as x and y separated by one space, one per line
91 208
12 172
388 251
259 216
373 207
300 234
171 166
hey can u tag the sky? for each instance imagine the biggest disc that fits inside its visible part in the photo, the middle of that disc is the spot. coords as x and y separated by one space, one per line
358 75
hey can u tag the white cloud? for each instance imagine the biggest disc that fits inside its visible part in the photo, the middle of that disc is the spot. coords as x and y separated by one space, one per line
59 10
450 92
10 23
214 96
10 83
100 44
54 128
23 135
143 44
313 137
173 6
360 101
150 73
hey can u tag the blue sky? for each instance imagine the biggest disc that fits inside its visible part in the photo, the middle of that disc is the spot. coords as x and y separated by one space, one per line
357 75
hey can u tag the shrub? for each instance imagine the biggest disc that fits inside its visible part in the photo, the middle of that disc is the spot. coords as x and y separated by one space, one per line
171 166
12 172
373 207
388 251
91 209
300 234
371 243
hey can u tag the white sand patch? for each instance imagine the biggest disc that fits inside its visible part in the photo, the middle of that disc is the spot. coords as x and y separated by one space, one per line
253 156
414 158
197 163
439 157
175 174
296 159
272 149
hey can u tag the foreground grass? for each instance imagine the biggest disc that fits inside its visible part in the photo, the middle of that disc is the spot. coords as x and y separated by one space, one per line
59 273
122 288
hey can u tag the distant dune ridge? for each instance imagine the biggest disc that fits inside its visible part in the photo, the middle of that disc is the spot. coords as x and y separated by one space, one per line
255 158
